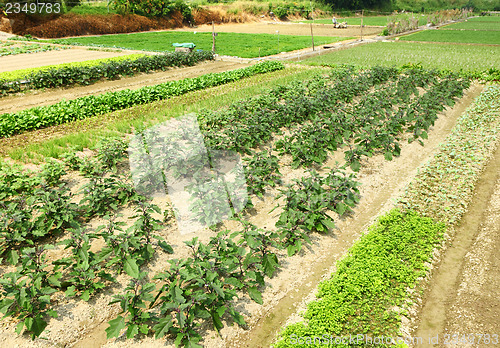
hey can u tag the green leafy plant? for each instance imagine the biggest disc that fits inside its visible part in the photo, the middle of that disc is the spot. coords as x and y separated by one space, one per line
26 293
84 272
133 303
307 202
262 171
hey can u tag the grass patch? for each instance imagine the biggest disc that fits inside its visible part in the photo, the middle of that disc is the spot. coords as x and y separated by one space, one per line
94 105
467 36
438 56
55 141
473 25
231 44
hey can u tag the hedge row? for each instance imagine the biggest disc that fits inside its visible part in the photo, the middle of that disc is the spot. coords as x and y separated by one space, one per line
361 299
88 106
85 75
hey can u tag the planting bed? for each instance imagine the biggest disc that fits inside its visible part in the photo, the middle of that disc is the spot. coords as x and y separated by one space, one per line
372 292
306 148
14 103
478 60
85 73
34 60
287 28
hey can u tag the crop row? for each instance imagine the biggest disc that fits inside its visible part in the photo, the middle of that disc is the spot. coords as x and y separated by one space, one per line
308 201
89 106
372 280
38 206
245 125
84 75
6 50
324 119
21 74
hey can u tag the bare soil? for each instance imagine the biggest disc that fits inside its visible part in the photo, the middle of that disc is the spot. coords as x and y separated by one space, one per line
82 324
288 28
463 295
35 60
34 98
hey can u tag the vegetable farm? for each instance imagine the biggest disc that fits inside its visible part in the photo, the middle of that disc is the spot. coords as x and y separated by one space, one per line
271 205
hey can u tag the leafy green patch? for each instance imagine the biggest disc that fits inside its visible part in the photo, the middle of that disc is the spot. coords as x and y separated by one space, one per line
230 44
370 282
88 106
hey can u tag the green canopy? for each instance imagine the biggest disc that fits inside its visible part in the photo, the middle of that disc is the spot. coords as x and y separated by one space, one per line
185 45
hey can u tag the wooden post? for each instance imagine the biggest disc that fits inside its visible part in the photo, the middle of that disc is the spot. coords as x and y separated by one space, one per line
362 25
278 32
312 36
213 37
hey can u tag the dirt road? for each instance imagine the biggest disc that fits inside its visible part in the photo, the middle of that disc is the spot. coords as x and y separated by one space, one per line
38 98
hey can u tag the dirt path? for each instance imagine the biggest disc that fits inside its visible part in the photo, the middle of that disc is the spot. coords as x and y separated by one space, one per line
463 297
35 60
288 28
38 98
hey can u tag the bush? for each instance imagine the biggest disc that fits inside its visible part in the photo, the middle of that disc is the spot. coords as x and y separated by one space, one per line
153 8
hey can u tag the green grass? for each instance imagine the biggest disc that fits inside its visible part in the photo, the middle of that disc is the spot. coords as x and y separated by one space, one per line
370 281
231 44
439 56
473 26
21 73
85 133
99 8
466 36
485 19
